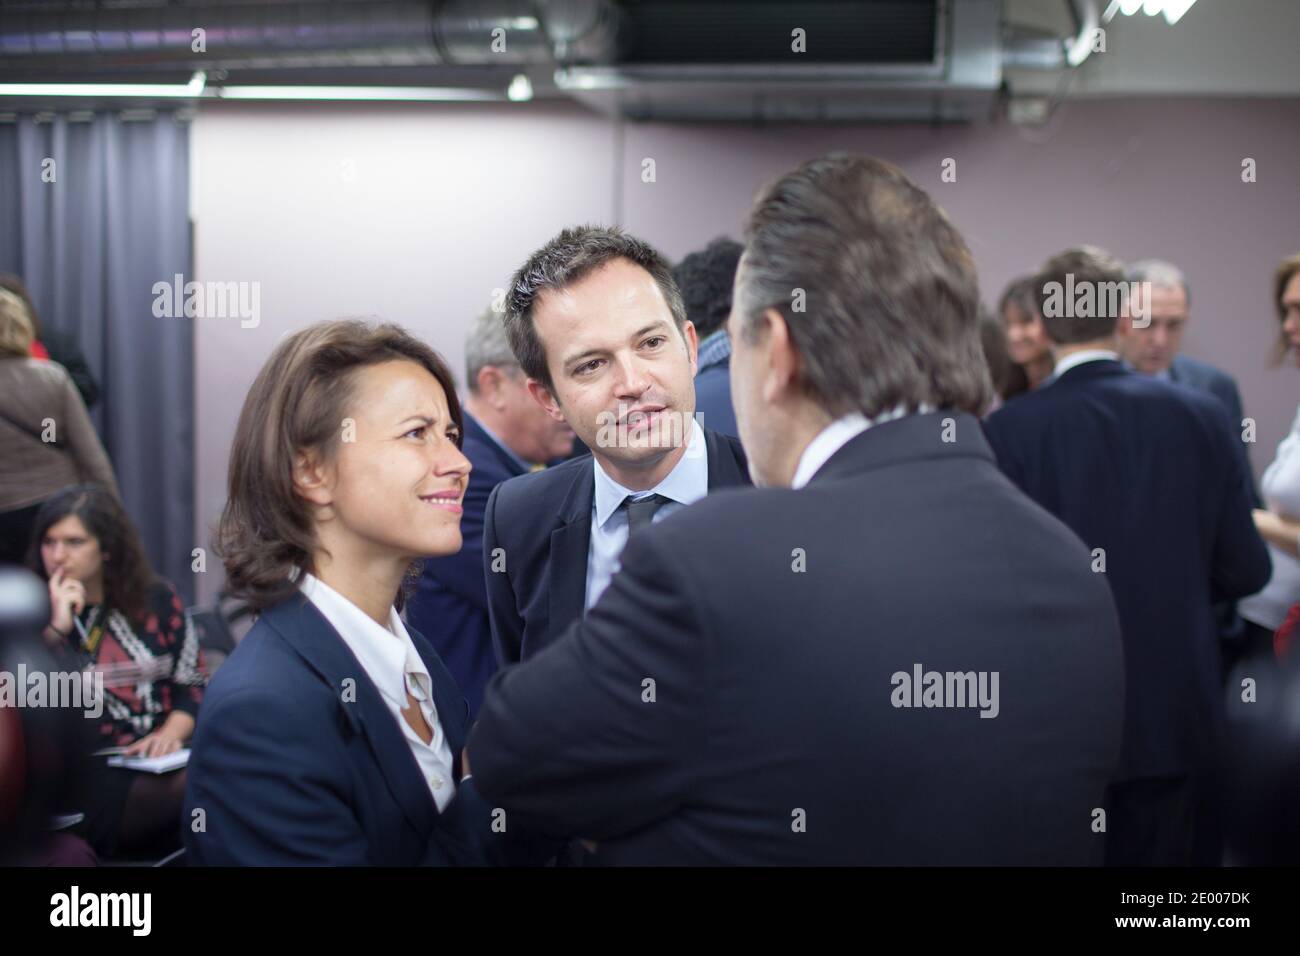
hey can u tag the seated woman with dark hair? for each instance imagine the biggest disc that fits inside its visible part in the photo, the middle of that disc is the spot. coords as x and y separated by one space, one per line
112 617
334 734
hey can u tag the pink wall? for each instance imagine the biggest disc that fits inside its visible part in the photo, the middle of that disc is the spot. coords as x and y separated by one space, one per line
416 213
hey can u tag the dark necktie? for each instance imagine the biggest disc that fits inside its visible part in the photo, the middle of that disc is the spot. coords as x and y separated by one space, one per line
640 512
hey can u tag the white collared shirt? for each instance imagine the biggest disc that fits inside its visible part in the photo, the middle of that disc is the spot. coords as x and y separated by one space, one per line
838 434
390 660
687 483
1078 358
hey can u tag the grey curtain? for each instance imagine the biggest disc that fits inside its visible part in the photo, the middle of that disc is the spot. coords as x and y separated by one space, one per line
90 245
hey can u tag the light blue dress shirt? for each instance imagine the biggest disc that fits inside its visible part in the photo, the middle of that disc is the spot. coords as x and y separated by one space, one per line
687 483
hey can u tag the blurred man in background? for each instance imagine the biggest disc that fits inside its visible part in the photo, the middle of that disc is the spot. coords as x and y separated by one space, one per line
705 279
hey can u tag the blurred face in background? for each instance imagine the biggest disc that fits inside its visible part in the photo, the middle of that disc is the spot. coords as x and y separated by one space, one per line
517 419
1027 343
1291 316
68 547
622 371
1152 349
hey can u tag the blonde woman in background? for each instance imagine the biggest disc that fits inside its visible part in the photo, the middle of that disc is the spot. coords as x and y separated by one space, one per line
46 439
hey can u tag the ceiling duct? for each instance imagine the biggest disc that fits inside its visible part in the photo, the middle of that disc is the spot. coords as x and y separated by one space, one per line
740 60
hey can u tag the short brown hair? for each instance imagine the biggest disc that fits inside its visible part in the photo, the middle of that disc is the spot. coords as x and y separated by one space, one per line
889 291
568 258
1286 271
296 404
1087 265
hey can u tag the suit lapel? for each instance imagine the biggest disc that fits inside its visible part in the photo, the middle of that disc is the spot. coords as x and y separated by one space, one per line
571 542
314 639
725 468
569 548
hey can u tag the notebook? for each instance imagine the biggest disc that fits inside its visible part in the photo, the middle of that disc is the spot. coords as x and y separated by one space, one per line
172 761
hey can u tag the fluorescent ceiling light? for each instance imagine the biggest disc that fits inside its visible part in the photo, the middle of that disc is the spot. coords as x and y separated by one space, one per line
148 90
419 93
1172 9
520 89
197 88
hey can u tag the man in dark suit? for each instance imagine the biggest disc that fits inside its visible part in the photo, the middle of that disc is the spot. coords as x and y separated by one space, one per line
1148 475
1151 345
598 325
810 672
506 434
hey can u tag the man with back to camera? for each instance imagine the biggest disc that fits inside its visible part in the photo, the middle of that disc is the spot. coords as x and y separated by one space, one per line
1151 477
839 667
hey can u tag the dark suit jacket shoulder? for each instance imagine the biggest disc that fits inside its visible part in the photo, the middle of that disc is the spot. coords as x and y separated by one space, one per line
1202 375
729 697
1147 472
291 764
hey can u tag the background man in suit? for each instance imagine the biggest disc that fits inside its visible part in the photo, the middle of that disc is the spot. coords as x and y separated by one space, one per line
1154 350
506 434
808 673
597 323
705 279
1148 475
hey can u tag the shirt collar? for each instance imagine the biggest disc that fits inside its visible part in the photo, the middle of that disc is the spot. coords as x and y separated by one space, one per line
523 465
687 483
1078 358
838 434
387 655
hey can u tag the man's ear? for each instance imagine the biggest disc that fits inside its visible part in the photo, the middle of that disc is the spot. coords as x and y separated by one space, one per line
489 386
692 338
312 479
543 396
782 356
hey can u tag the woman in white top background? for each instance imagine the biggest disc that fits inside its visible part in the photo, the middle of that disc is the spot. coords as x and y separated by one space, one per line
333 735
1279 522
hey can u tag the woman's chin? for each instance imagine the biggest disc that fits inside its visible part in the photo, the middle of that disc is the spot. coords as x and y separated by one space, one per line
442 544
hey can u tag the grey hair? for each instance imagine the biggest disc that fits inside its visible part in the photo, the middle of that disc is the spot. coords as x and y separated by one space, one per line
890 301
486 344
1166 275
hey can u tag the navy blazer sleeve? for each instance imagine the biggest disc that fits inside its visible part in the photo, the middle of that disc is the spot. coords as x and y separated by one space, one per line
577 740
270 798
507 625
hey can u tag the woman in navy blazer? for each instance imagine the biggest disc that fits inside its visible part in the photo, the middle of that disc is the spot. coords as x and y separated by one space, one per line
333 735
